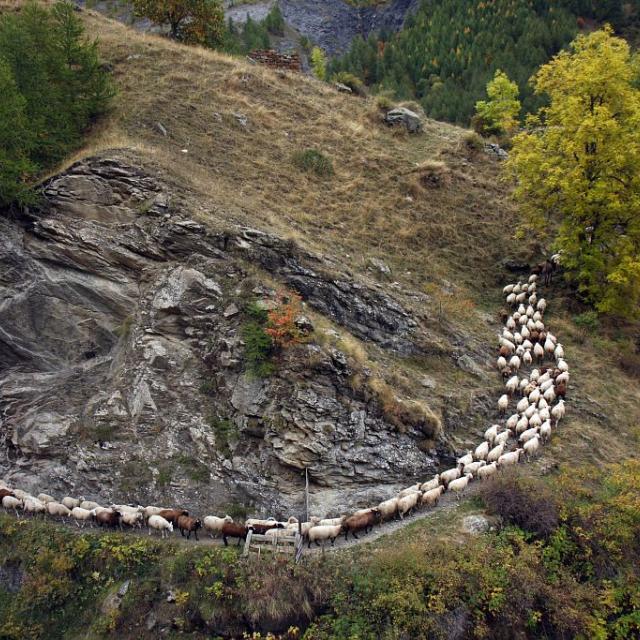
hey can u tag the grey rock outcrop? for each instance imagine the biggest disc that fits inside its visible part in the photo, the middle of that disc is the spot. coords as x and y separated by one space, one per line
404 117
122 360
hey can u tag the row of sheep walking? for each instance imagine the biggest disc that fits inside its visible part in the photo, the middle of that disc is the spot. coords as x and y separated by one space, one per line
539 407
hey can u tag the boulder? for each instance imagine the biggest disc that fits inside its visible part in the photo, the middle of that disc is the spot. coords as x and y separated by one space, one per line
404 117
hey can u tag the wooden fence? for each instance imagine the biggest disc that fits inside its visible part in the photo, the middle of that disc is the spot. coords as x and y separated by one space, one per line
275 544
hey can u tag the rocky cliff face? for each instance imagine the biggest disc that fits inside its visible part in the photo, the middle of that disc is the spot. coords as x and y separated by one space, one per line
122 369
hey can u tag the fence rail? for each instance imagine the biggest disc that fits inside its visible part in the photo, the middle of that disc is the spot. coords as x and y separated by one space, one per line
258 543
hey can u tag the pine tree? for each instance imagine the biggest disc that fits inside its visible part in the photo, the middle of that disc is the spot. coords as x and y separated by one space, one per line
498 114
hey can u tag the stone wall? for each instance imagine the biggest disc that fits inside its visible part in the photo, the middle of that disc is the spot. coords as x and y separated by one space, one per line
271 58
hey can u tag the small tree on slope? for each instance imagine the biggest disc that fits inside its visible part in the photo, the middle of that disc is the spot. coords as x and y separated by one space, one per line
498 114
578 169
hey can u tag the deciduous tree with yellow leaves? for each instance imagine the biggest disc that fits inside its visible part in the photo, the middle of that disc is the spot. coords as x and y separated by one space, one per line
498 114
577 168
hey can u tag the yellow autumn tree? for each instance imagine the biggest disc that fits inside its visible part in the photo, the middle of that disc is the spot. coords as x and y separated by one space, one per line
577 169
498 114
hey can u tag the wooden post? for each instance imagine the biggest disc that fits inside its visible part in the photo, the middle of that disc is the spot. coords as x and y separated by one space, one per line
247 543
306 493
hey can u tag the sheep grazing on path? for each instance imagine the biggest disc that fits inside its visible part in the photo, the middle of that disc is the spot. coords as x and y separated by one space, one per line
449 475
159 524
430 498
81 516
233 530
434 482
481 451
558 411
502 438
71 503
213 524
487 471
172 515
463 460
495 453
365 522
322 533
503 404
58 509
191 525
511 458
389 508
44 498
11 502
531 446
408 503
460 484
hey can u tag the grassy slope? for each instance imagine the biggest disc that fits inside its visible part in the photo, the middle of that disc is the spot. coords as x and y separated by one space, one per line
435 241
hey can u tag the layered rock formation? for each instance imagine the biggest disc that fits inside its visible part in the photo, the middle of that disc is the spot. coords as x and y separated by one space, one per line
122 370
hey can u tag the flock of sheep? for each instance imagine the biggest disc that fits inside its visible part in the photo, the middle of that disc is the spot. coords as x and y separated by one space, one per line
525 341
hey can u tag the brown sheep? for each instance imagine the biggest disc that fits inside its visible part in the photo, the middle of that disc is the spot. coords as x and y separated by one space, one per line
263 528
505 352
561 390
172 515
233 530
6 492
363 522
189 524
108 518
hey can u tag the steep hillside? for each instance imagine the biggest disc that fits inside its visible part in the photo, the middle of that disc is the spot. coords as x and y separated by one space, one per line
124 369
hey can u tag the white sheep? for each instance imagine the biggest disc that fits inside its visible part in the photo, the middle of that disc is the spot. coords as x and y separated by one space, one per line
58 509
523 425
535 420
495 453
546 384
533 298
531 446
89 504
517 338
481 451
213 524
512 384
558 352
538 351
549 347
530 411
512 421
550 395
544 412
331 522
81 515
132 518
431 497
521 297
152 511
501 363
524 332
491 433
563 366
33 505
502 438
267 522
292 529
503 403
530 311
507 344
511 458
527 358
389 508
562 377
70 503
511 323
407 503
462 460
22 495
558 411
508 289
542 305
460 484
507 334
44 498
9 502
473 467
539 325
524 383
517 287
449 475
488 470
434 482
511 298
528 434
545 430
533 277
405 492
522 405
159 524
534 396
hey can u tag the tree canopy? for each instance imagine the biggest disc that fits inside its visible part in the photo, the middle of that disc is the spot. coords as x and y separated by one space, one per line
578 169
193 21
499 114
52 86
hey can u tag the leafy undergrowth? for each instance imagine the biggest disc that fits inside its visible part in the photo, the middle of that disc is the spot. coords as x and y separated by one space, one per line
561 564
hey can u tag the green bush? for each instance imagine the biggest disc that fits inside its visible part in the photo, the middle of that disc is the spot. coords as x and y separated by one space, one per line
314 161
225 431
52 87
352 81
588 321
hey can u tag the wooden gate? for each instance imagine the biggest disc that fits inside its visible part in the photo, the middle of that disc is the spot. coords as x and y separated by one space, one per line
275 544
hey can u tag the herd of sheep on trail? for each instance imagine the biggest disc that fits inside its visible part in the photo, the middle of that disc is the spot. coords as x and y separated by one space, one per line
524 341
